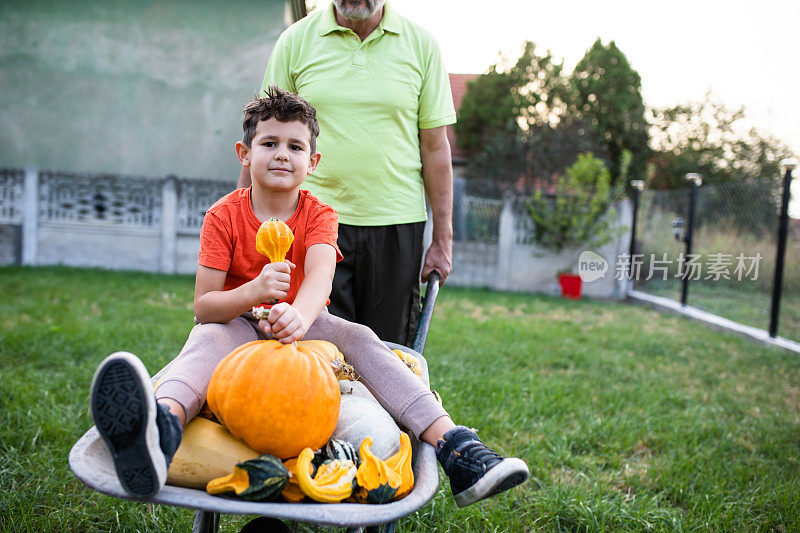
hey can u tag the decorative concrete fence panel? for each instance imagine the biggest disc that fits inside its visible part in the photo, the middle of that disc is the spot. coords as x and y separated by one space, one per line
12 186
106 221
153 224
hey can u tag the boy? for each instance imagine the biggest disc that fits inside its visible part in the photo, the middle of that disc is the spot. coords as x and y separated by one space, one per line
143 430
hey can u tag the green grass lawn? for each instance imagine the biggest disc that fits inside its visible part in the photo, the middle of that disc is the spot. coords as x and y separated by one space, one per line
629 420
743 303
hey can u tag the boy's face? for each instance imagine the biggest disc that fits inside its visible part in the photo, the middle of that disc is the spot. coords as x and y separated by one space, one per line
279 156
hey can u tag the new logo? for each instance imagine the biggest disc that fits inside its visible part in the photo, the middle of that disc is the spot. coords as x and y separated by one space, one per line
591 266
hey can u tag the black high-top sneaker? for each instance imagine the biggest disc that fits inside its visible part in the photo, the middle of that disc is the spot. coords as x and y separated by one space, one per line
126 415
475 471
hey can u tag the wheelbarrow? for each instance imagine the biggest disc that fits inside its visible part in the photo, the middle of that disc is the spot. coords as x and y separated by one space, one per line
91 462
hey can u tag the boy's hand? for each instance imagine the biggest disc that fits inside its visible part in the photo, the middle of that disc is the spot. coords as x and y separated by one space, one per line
272 284
285 323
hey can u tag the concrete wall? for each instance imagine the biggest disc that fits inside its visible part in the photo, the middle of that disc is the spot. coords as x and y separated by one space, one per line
151 87
112 247
96 245
512 264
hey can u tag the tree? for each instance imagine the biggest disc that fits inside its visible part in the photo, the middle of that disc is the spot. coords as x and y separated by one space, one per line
739 165
608 95
578 213
709 138
535 158
486 110
511 100
515 123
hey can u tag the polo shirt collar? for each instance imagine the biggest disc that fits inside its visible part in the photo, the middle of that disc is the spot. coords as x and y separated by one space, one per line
390 21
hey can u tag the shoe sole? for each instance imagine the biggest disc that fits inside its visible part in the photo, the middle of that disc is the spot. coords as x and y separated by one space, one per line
124 410
509 473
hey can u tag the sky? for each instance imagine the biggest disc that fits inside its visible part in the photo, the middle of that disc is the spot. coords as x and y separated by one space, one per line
744 52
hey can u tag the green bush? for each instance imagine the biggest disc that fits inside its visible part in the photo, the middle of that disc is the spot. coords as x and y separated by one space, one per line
579 213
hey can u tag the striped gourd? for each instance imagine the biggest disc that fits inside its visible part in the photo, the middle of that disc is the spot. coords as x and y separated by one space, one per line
341 449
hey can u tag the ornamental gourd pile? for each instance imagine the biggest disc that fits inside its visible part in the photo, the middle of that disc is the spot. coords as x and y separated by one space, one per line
283 401
333 474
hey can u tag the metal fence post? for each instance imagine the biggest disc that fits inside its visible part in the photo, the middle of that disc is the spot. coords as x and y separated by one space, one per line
697 181
637 186
777 282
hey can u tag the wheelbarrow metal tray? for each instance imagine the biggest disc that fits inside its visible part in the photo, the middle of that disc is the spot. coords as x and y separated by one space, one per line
91 462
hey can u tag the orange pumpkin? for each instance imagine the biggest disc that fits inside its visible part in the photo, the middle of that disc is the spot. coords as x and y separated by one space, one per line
274 239
330 353
277 399
325 349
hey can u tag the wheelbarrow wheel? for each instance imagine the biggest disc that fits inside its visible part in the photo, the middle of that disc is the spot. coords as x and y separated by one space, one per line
265 524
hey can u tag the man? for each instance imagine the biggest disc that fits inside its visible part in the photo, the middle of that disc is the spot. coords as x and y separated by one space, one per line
383 100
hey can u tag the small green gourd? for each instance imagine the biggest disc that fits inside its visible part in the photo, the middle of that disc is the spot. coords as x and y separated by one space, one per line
262 478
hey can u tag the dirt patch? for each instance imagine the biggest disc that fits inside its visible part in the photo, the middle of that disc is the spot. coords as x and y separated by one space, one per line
634 469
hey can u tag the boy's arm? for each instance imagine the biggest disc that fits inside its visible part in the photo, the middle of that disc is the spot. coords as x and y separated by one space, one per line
290 323
212 304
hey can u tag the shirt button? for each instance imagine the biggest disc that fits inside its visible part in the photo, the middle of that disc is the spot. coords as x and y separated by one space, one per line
359 52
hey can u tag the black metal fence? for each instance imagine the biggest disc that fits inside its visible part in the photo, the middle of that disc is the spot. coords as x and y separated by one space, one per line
730 249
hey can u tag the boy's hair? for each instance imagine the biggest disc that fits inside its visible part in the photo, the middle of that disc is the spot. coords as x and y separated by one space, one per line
284 107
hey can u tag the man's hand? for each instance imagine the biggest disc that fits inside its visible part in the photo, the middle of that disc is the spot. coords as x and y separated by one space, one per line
272 284
285 323
438 257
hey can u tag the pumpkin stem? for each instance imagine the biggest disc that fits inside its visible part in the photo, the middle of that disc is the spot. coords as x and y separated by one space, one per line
344 370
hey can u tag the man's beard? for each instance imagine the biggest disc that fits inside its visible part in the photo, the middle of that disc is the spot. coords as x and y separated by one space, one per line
358 12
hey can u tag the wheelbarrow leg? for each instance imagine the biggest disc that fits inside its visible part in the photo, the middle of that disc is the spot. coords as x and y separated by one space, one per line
205 522
389 527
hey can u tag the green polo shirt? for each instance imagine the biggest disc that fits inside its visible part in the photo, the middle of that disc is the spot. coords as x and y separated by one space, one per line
372 98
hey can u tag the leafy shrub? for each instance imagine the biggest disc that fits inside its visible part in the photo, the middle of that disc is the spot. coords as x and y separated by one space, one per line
579 212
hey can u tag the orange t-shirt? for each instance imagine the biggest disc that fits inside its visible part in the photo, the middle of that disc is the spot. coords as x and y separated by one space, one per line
228 238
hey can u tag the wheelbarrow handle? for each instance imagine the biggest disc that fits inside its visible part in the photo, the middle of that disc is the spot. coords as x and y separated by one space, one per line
427 311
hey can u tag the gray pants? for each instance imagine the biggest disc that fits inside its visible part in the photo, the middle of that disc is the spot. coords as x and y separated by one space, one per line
399 391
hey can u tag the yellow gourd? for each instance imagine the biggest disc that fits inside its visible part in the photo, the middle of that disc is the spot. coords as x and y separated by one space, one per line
333 481
410 361
207 451
401 463
377 483
274 239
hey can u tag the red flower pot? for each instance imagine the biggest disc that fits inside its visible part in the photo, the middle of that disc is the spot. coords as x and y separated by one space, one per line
570 286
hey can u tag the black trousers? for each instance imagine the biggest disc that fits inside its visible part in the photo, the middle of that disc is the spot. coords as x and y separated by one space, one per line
377 282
